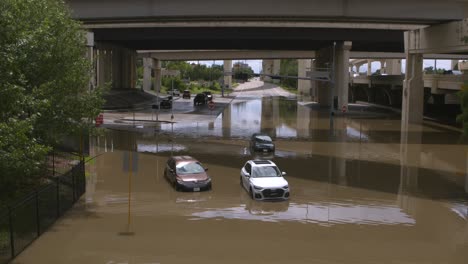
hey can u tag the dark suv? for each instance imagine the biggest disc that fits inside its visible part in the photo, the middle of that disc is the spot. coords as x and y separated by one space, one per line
186 94
261 142
200 99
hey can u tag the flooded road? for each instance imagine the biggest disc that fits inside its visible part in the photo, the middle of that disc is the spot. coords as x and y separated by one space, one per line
357 194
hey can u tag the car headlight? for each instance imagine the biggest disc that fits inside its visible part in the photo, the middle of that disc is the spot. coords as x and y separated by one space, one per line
257 188
285 187
179 180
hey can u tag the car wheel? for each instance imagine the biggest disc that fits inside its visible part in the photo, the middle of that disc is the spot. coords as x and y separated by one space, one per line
176 186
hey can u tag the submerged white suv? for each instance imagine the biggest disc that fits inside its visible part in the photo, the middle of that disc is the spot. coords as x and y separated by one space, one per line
264 181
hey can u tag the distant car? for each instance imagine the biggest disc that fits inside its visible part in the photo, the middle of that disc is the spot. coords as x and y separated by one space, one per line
187 174
166 102
261 142
174 92
186 94
264 181
209 96
200 99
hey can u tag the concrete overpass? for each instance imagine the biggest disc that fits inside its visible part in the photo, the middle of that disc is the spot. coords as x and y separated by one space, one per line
118 28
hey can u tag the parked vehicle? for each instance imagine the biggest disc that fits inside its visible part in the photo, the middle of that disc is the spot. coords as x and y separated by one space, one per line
209 96
200 99
187 174
174 92
166 103
186 94
261 142
264 181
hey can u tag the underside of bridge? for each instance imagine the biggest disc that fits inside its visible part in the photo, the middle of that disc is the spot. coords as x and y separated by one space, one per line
260 38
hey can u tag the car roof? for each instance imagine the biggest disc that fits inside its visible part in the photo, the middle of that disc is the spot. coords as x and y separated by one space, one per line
262 163
183 158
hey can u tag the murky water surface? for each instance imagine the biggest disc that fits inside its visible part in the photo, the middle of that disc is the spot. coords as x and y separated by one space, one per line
358 194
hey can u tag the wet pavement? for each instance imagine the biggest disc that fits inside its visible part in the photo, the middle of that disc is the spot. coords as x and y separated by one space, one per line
357 194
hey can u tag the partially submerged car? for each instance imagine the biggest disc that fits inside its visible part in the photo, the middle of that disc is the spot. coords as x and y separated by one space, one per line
186 94
200 99
264 181
187 174
261 142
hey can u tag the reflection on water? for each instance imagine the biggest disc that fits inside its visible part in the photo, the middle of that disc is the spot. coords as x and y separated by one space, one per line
322 214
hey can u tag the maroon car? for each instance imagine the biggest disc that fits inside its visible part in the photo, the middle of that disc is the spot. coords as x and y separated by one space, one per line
187 174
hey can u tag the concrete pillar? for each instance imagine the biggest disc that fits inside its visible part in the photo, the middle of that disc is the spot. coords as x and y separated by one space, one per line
276 69
323 61
454 65
116 69
101 66
303 85
342 73
228 74
413 91
147 68
267 69
393 67
157 75
369 67
90 57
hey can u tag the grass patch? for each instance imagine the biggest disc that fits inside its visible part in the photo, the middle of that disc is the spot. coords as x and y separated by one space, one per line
290 89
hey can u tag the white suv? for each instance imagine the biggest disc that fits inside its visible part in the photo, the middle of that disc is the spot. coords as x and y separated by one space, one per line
263 180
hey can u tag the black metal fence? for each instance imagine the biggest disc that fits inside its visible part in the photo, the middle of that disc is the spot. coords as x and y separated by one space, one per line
27 219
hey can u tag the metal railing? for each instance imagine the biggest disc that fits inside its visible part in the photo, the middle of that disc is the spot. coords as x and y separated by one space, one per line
26 219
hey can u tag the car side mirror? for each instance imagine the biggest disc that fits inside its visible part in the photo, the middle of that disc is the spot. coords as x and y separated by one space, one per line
283 173
247 175
206 169
171 170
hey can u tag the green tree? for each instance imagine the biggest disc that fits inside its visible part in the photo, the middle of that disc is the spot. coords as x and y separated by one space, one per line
44 84
289 67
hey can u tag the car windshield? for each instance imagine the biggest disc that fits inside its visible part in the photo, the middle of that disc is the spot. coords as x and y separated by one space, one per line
263 139
189 168
265 171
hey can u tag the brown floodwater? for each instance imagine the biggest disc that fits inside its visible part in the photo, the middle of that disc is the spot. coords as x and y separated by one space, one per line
358 194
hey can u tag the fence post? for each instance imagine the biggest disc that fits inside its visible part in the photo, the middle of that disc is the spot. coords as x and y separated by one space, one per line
38 221
58 197
53 162
12 236
73 182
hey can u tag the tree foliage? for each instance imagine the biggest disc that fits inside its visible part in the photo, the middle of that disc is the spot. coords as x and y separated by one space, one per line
44 83
289 67
240 72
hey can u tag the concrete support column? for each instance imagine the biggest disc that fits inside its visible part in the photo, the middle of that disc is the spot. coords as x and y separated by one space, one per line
393 67
304 86
157 75
228 74
342 73
116 69
276 69
369 67
147 68
90 57
413 91
323 61
454 65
